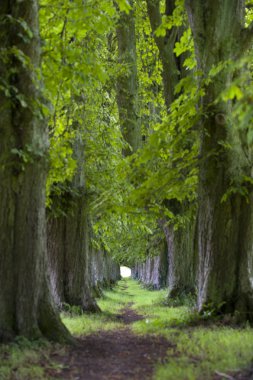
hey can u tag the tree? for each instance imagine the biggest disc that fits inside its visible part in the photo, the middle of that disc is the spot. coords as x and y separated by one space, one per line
127 83
26 307
165 41
225 217
180 240
74 71
69 244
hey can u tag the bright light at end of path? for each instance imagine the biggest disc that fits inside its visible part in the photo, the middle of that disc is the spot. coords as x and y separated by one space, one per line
125 272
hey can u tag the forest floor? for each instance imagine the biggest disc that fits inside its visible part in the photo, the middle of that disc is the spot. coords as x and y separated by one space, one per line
135 337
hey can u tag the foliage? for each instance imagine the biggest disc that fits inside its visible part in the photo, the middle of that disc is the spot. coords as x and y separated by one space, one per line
124 196
74 70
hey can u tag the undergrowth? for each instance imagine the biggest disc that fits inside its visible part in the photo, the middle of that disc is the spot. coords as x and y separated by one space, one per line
26 360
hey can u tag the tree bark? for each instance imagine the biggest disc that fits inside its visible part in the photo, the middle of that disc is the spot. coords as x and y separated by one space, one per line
78 272
77 277
224 228
181 259
26 307
69 246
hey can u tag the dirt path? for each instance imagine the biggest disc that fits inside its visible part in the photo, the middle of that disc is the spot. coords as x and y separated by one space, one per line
113 355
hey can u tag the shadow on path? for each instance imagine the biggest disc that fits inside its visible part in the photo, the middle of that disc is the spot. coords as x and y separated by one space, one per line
129 315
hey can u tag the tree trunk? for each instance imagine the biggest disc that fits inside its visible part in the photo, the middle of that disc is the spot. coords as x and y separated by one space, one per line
224 228
69 245
105 271
78 272
127 85
181 260
180 243
77 278
69 256
26 307
56 255
153 272
170 63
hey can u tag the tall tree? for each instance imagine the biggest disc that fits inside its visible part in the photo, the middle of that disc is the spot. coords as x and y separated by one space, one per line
69 243
225 226
75 122
26 307
171 72
127 82
180 241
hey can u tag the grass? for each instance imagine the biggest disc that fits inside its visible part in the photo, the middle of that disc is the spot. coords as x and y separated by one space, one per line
25 360
203 352
198 350
110 304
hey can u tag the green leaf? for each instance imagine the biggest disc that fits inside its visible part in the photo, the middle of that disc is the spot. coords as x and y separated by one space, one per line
233 92
124 6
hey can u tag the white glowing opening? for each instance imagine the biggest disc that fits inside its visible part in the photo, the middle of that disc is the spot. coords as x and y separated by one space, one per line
125 272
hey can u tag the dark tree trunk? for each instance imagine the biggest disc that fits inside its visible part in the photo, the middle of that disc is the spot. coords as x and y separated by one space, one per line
78 273
77 277
69 245
171 72
69 256
127 85
225 229
181 260
26 307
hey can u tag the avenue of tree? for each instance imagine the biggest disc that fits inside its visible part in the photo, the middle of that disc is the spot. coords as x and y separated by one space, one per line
126 137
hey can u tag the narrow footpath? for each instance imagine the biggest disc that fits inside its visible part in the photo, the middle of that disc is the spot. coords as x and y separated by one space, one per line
114 355
138 337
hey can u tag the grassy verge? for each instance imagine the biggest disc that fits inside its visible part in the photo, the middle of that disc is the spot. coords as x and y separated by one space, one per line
110 304
199 349
25 360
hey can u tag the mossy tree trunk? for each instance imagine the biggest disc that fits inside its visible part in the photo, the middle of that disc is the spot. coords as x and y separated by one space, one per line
26 307
225 229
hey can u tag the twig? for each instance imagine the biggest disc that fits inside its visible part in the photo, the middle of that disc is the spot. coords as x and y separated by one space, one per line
221 374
